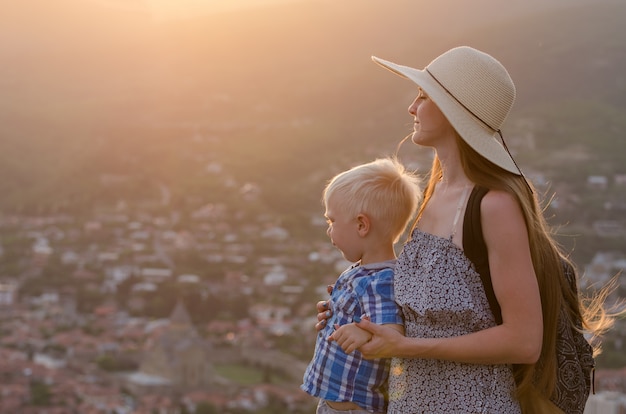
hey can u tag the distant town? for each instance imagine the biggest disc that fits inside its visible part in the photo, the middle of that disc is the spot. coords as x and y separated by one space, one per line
162 245
141 309
96 317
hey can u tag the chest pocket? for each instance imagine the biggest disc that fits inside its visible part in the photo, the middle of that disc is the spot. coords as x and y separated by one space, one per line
346 306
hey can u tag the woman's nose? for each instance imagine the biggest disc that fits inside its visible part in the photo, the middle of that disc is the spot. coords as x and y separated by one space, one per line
413 106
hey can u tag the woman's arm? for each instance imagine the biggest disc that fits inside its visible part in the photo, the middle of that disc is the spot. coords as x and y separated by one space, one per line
350 337
519 338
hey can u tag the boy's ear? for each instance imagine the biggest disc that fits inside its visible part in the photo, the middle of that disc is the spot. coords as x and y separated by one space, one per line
363 224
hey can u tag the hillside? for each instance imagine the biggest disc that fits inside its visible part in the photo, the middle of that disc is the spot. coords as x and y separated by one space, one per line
88 90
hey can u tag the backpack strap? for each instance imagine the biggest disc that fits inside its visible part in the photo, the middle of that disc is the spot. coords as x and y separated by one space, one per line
475 248
575 354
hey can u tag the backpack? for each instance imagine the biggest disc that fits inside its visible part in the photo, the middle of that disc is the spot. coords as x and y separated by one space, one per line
575 363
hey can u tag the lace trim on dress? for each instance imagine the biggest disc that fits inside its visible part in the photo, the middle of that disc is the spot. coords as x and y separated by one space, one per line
459 208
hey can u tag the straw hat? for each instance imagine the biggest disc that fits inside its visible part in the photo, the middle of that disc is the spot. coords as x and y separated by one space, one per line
475 93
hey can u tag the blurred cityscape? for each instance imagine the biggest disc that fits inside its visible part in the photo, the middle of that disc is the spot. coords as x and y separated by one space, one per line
152 309
162 245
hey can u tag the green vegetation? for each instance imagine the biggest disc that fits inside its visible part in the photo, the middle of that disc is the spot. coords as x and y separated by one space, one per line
206 408
574 139
611 357
245 374
115 363
40 393
240 374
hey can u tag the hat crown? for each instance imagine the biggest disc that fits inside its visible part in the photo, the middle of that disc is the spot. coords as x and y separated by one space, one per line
477 81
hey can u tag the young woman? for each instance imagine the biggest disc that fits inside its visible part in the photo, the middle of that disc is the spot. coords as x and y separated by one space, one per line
454 357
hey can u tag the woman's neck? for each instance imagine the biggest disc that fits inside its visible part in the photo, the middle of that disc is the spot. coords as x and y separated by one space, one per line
452 176
452 173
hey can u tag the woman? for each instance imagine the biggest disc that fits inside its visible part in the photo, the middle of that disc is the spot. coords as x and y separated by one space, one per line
454 357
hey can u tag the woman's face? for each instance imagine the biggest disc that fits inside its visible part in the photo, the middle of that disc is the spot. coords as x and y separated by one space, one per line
429 123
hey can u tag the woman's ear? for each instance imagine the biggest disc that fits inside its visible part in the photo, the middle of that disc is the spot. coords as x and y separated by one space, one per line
363 224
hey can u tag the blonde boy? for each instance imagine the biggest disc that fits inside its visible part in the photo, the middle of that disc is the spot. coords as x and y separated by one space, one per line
367 209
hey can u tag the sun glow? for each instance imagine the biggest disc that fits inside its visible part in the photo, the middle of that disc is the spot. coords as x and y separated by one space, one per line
182 9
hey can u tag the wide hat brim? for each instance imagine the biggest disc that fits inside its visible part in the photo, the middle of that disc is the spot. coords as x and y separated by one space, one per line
472 130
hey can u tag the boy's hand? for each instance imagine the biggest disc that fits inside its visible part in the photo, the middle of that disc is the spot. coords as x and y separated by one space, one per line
350 337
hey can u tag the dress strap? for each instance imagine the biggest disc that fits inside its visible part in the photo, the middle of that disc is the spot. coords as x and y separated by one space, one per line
459 208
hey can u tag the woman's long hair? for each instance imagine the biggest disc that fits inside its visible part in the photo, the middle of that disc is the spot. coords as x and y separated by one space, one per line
535 382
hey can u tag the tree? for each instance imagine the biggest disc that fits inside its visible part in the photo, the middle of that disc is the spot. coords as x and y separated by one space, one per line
40 393
205 408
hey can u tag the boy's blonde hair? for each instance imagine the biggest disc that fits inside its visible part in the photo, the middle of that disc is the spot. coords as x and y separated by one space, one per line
382 189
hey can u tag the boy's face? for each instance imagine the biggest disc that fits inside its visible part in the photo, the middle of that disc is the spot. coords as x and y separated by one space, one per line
343 230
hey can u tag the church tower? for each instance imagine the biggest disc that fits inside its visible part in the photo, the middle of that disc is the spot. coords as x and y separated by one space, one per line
178 353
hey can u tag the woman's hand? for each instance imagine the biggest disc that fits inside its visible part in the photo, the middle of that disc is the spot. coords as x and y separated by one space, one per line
323 313
384 342
350 337
324 310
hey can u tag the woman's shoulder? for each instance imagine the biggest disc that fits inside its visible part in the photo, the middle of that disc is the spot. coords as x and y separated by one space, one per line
502 218
499 202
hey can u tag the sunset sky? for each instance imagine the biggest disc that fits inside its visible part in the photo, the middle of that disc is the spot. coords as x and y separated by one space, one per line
71 60
173 9
75 73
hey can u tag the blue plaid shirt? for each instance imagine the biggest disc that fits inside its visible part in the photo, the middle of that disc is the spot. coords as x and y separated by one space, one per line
332 374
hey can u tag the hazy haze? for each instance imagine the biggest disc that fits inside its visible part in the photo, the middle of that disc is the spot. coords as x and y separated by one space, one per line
77 75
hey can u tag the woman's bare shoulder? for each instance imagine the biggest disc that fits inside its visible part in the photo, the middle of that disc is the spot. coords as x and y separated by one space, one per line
499 203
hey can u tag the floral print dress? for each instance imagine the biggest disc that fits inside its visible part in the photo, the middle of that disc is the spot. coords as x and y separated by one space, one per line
441 295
